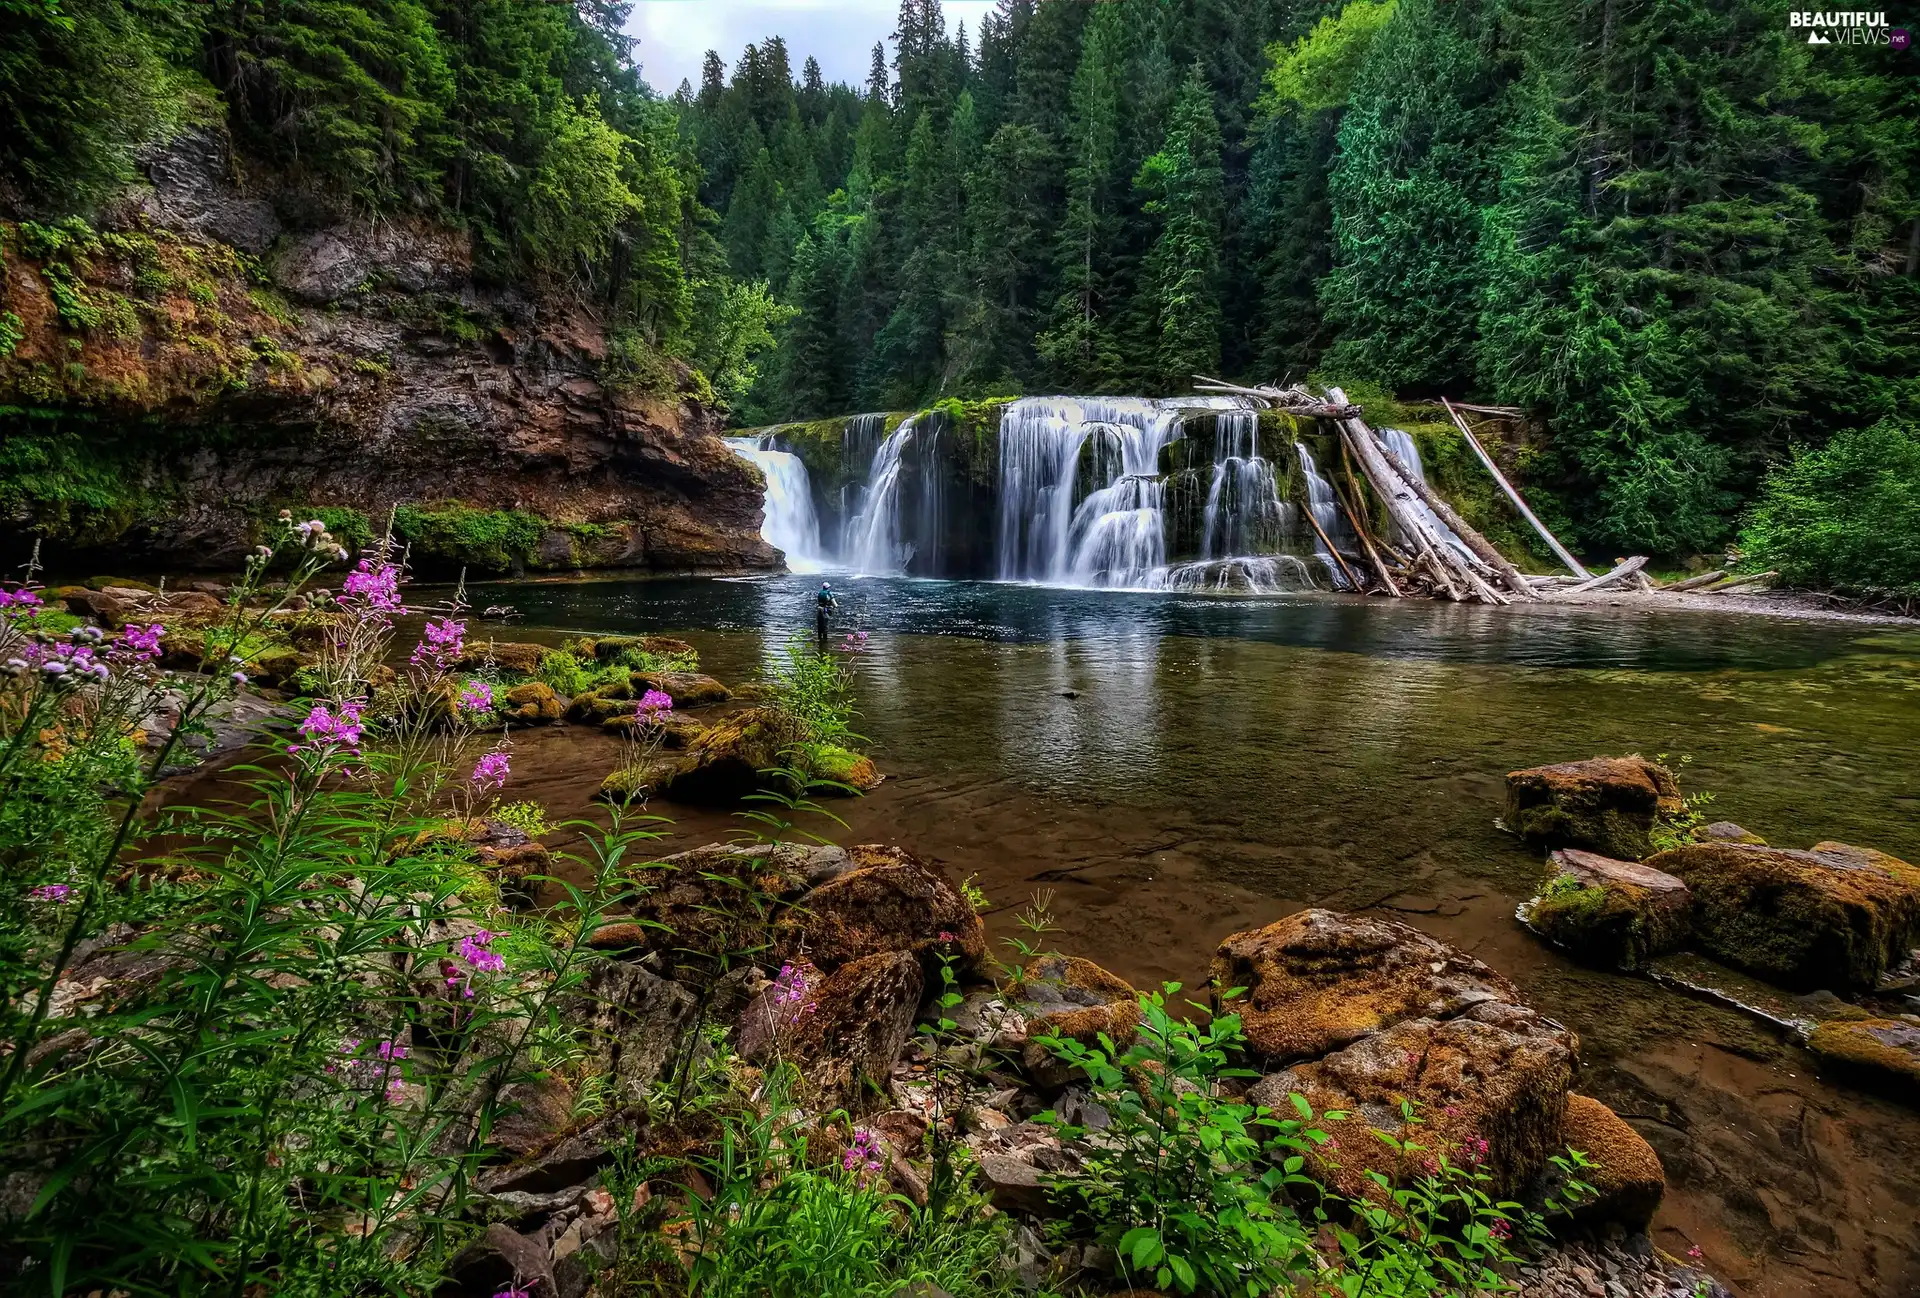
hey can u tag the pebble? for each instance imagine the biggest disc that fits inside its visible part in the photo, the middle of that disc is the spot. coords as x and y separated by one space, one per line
1632 1266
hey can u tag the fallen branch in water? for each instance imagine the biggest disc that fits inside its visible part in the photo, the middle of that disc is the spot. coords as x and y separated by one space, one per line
1626 569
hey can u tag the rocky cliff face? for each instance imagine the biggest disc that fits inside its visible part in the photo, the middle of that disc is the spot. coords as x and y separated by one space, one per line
190 368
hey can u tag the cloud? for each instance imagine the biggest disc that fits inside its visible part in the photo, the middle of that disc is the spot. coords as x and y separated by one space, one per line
676 34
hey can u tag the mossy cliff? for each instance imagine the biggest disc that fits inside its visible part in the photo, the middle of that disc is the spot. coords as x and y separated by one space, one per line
165 391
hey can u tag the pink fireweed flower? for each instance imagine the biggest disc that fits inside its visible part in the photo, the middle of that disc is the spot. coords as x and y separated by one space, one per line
1695 1255
515 1291
1501 1228
863 1155
490 772
478 958
1476 1151
656 703
143 643
327 731
374 588
55 892
441 644
476 698
19 603
790 988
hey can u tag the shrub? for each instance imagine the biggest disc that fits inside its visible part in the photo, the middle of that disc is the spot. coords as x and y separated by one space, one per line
565 674
1844 517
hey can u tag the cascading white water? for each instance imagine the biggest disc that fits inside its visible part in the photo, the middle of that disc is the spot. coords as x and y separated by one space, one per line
860 438
876 545
1326 512
1115 536
1244 513
1260 574
1407 451
788 523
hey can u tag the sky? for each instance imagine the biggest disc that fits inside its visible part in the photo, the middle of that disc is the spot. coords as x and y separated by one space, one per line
676 34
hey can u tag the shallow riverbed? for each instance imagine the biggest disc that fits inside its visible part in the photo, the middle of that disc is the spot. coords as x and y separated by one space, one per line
1176 768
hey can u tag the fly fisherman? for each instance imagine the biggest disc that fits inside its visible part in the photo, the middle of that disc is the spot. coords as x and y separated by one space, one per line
823 605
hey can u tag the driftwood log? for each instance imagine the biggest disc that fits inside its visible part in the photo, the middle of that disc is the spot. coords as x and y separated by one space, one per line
1553 542
1292 401
1751 579
1694 583
1621 573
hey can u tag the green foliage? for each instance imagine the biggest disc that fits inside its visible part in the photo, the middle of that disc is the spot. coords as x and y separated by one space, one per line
1200 1192
70 484
1182 278
565 674
529 818
495 540
350 527
1844 516
579 195
11 332
817 690
1317 72
634 364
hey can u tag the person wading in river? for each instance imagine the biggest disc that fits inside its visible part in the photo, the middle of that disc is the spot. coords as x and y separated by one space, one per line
823 605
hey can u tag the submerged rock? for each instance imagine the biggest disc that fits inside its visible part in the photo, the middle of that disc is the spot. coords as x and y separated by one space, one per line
1488 1089
1319 980
533 704
1835 917
505 655
1606 804
1614 914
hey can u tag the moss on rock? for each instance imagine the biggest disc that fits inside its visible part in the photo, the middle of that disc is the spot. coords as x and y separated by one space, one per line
1626 1175
1613 914
1607 805
1834 917
1883 1053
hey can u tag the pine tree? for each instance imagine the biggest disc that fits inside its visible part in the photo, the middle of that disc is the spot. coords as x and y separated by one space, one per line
1181 290
1079 348
1407 189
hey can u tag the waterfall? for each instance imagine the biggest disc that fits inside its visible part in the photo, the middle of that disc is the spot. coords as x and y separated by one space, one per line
1407 451
876 544
1115 535
788 523
860 438
1267 574
1326 512
1244 513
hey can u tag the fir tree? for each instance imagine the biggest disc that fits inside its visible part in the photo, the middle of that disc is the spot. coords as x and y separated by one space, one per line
1181 290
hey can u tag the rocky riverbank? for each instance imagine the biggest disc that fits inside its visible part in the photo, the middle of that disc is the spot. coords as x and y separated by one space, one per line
194 365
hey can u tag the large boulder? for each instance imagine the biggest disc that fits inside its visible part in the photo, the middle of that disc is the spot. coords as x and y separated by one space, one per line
726 897
1319 980
1627 1178
728 761
503 655
1607 804
844 1029
687 689
889 901
1488 1090
1614 914
609 648
844 770
633 1022
1882 1053
532 704
1834 917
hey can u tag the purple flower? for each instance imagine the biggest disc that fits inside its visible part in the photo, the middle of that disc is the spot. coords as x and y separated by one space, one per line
56 892
863 1155
790 988
142 642
19 603
1501 1228
379 1069
476 698
490 772
375 587
474 951
326 730
514 1291
656 703
441 644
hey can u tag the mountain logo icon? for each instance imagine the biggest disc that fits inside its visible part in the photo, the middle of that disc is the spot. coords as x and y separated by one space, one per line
1815 38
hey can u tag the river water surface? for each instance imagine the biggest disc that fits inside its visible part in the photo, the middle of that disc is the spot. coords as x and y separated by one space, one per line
1176 768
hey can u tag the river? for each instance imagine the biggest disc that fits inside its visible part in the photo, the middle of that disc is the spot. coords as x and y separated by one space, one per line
1174 768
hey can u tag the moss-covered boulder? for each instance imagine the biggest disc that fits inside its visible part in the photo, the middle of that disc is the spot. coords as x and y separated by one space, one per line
1607 805
1608 913
842 766
1066 996
638 781
1489 1090
517 657
1882 1053
609 648
1627 1178
673 731
1319 980
595 706
889 901
532 704
731 757
1725 831
725 897
686 689
1835 917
